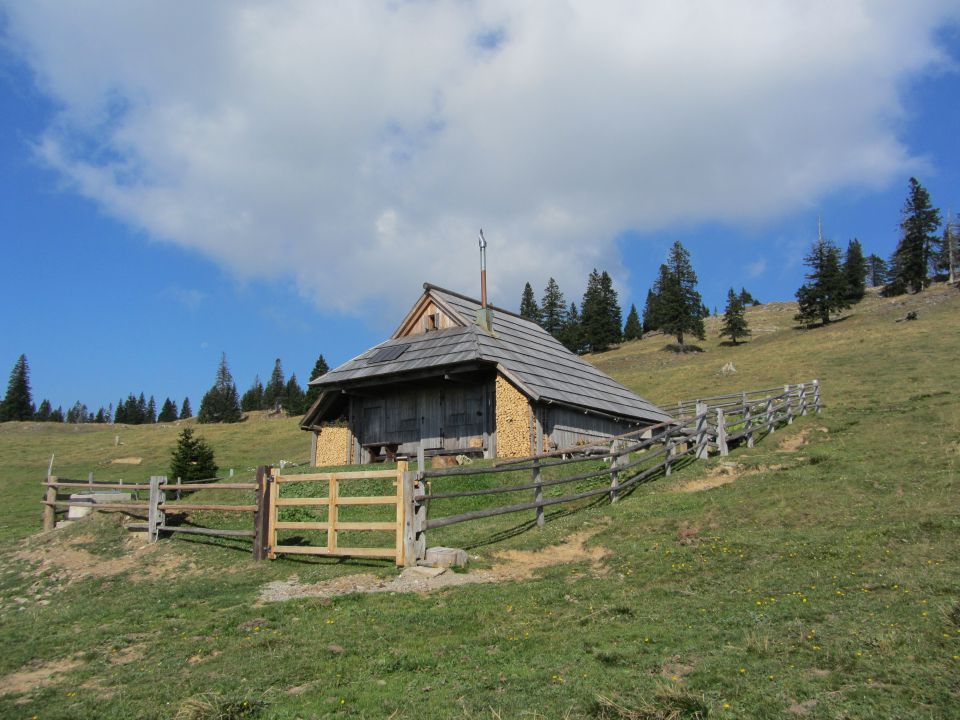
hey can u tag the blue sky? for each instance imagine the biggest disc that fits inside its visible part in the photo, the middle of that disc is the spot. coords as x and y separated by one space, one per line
283 185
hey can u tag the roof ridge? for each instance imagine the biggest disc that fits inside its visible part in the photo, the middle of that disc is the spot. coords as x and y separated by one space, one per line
431 286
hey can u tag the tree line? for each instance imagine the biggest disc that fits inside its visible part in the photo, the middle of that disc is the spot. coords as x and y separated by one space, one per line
220 404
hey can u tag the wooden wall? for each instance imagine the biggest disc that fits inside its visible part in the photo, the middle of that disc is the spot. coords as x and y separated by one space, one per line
567 427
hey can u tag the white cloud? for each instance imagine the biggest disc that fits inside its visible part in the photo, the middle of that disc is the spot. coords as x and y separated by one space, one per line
189 298
358 147
757 268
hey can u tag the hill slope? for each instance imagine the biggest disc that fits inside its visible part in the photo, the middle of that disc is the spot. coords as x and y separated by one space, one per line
815 575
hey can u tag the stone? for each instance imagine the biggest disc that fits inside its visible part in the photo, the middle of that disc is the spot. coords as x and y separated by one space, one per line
444 557
86 500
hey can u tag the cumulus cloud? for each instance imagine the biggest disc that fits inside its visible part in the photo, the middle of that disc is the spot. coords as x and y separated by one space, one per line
358 147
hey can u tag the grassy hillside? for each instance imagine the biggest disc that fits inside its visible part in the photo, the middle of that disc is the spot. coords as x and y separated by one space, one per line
815 575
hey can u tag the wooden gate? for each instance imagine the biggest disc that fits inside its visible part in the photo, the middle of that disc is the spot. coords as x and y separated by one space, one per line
333 501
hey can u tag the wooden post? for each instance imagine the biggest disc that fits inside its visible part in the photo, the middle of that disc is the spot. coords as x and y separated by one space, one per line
409 519
155 516
671 451
769 413
421 461
748 424
273 492
50 510
332 513
261 517
786 391
537 491
419 524
401 511
816 396
703 452
615 474
722 434
802 395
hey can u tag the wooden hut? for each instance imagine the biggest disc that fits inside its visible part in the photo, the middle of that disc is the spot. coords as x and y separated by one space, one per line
458 377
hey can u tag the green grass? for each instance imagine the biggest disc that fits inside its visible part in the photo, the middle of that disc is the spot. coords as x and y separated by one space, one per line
828 586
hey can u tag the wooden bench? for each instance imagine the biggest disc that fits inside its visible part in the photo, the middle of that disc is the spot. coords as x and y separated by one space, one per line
389 450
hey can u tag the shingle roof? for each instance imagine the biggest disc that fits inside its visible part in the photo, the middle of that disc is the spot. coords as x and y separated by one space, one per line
523 351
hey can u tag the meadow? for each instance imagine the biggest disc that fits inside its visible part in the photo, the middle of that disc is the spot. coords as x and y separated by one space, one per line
815 575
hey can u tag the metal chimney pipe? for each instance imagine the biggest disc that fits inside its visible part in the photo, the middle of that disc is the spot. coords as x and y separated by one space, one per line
483 270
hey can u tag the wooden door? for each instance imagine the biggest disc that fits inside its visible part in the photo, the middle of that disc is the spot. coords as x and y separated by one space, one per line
431 418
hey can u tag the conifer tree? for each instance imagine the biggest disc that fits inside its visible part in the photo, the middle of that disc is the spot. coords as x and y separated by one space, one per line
168 411
528 305
151 415
192 458
679 305
572 334
826 291
57 415
855 272
43 412
185 410
747 299
633 330
600 315
17 404
319 368
142 410
876 270
101 416
553 309
120 414
651 320
78 413
253 398
274 391
295 397
917 239
734 324
221 403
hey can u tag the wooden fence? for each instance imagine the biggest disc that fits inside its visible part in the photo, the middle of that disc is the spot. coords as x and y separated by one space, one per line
696 429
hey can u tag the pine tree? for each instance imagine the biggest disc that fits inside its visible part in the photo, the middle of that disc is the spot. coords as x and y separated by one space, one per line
221 404
57 415
680 306
572 334
168 411
295 397
734 324
855 272
313 392
876 271
77 414
142 410
185 410
253 398
747 299
120 414
826 291
192 458
17 404
276 388
151 414
948 255
101 416
651 318
918 237
528 305
553 309
600 313
633 330
43 412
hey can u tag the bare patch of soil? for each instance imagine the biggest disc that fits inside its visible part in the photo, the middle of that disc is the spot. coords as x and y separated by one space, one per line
676 671
36 676
803 708
512 565
129 654
794 442
723 474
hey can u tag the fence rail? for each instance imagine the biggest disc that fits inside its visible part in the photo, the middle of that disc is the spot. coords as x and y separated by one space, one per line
697 428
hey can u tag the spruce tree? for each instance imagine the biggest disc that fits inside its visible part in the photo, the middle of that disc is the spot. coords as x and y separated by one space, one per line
528 305
734 324
917 239
651 318
168 411
572 334
17 404
120 414
101 416
151 416
77 414
319 368
680 305
192 458
185 410
876 270
253 398
747 299
43 412
274 391
295 397
553 309
633 330
142 410
57 415
600 315
221 403
855 272
827 289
